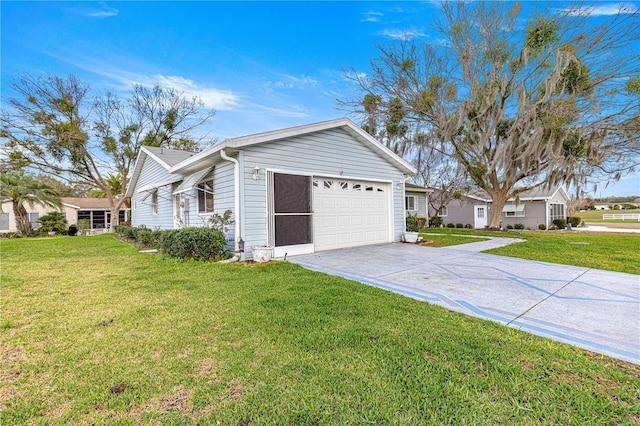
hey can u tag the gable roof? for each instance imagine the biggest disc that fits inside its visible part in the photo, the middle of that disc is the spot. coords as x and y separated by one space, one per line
192 164
166 157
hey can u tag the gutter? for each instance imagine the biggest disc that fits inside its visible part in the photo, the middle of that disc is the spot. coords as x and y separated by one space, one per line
236 202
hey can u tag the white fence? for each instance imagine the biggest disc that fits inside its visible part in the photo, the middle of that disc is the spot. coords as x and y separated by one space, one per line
629 216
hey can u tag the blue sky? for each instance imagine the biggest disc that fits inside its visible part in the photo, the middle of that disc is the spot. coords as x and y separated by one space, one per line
260 65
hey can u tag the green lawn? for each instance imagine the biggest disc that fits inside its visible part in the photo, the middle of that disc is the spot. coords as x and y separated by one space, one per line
614 252
595 216
93 332
446 240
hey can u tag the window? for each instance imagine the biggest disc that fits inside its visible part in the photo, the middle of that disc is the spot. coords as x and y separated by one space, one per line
33 218
4 221
154 202
328 184
556 212
205 196
410 203
356 187
443 211
513 210
344 185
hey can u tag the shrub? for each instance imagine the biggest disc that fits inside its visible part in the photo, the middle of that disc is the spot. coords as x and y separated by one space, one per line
459 225
560 223
468 226
146 238
194 243
450 225
53 222
84 224
436 221
412 223
519 226
574 221
509 226
422 222
542 227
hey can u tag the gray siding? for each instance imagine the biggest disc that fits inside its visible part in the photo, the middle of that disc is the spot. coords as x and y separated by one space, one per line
331 152
534 214
141 211
421 199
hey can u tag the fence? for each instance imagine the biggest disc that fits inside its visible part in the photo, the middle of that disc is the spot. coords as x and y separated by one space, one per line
628 216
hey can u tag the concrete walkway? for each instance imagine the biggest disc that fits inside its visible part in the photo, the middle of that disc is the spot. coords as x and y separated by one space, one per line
593 309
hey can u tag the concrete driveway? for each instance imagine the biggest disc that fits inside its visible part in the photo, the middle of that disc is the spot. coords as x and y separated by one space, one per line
593 309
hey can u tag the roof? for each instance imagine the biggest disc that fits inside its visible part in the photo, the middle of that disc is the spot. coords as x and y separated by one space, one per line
86 202
167 157
539 193
194 163
416 188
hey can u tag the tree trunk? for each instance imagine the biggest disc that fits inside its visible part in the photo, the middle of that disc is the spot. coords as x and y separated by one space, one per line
22 219
116 205
498 202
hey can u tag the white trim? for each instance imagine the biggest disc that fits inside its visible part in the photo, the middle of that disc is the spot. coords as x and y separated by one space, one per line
415 203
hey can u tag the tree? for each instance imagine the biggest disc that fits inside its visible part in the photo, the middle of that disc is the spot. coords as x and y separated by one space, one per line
54 126
519 109
23 189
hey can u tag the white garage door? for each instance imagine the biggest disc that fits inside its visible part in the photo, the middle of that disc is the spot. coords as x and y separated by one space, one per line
348 213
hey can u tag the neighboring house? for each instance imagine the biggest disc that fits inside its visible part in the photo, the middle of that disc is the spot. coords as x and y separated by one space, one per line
96 210
304 189
534 207
602 206
416 200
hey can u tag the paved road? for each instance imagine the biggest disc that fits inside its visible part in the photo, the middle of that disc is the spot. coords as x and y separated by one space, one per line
596 310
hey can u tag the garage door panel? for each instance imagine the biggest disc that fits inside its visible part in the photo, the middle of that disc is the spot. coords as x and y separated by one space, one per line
350 213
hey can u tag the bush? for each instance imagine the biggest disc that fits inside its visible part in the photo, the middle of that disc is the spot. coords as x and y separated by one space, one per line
84 224
146 238
459 225
450 225
519 226
468 226
53 222
509 226
194 243
436 221
574 221
412 223
542 227
560 223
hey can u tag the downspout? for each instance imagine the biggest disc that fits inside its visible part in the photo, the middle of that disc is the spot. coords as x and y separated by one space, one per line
236 205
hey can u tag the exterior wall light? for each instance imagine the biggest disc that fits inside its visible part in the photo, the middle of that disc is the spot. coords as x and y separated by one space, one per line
256 173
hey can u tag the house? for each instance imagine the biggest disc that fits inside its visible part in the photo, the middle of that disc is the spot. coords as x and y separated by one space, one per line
533 207
416 200
95 210
304 189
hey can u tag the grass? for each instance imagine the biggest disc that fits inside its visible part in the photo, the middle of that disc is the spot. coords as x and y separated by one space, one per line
446 240
595 216
95 333
614 252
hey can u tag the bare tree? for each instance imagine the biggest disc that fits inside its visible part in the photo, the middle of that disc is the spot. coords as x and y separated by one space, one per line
521 108
55 127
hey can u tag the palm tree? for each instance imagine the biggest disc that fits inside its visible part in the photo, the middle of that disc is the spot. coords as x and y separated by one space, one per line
23 189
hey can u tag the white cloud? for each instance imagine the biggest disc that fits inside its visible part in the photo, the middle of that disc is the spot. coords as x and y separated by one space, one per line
292 82
211 97
401 34
104 12
603 10
371 16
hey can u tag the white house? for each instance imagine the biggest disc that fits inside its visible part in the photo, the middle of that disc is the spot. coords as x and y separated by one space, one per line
304 189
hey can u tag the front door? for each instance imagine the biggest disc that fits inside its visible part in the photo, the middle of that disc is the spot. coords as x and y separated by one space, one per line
479 216
290 214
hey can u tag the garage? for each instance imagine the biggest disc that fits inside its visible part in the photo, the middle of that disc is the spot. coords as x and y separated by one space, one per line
314 213
349 213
